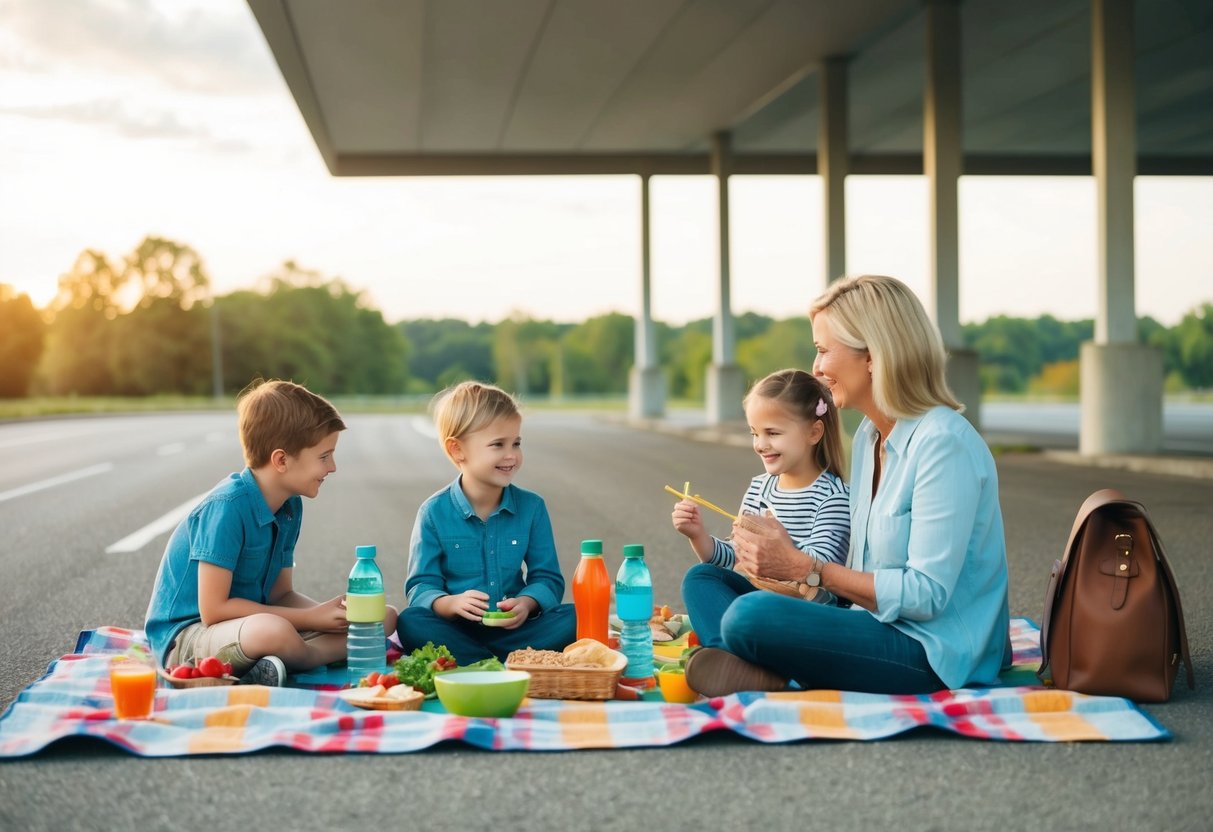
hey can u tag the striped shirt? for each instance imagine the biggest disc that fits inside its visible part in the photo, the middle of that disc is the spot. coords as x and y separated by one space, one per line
818 518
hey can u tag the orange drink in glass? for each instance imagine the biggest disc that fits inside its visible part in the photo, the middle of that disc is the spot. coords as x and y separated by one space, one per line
674 687
133 685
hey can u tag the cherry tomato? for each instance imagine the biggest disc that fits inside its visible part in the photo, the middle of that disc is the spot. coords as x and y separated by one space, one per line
182 671
211 667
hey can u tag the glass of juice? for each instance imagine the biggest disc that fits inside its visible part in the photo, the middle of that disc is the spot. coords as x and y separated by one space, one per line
133 684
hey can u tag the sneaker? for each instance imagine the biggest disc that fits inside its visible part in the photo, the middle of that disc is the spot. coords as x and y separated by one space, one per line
714 672
268 671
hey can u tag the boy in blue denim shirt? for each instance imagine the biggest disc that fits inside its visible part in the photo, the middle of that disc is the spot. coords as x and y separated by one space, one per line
224 587
471 540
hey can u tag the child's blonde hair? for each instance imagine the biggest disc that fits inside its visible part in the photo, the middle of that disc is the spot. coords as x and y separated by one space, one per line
880 315
282 414
807 399
467 407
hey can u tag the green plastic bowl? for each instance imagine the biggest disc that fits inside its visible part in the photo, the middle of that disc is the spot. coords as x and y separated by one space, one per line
486 693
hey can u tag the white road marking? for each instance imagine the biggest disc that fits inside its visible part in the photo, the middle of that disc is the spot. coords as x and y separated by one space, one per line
42 485
170 449
135 541
424 426
45 436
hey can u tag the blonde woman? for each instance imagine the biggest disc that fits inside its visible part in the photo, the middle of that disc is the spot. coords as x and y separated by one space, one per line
926 574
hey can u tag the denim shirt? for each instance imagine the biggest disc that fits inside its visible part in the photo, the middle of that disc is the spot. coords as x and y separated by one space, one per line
452 550
933 539
233 528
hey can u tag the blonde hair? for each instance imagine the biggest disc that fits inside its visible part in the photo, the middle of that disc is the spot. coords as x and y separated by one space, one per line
803 396
881 315
282 415
467 407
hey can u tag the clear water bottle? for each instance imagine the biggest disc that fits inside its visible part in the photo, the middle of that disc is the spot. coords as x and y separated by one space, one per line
365 606
634 606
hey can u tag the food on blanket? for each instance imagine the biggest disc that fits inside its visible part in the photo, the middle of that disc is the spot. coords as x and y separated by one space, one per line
418 668
589 651
585 653
498 618
184 671
211 667
384 680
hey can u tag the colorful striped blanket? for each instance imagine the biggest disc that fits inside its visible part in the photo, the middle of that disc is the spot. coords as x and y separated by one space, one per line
73 700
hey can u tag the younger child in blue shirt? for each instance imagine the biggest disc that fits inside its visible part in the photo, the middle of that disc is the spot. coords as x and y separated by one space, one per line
472 539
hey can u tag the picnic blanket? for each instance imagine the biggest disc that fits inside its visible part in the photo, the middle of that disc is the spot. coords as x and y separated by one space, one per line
73 700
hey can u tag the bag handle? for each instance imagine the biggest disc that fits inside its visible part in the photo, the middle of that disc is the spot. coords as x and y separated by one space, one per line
1095 501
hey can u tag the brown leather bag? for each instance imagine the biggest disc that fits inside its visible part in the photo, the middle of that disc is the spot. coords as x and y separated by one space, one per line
1112 620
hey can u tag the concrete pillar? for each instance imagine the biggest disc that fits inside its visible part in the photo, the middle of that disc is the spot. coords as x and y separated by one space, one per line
833 163
1120 380
943 159
725 382
646 381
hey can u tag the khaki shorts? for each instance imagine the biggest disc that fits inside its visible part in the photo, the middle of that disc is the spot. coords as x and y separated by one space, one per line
222 640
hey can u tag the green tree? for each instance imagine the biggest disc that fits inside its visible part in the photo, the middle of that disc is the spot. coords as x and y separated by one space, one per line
80 333
447 351
597 354
22 331
784 344
1194 347
522 353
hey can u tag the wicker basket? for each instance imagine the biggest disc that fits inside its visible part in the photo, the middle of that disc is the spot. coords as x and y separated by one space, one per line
548 682
196 682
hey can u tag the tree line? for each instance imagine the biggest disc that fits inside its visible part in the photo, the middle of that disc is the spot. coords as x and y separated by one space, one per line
150 324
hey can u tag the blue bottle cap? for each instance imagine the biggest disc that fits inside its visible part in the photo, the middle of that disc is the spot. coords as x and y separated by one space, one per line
591 547
633 550
364 551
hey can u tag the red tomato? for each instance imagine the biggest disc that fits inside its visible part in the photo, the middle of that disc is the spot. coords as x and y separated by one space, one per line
182 671
227 668
210 666
372 678
388 680
692 639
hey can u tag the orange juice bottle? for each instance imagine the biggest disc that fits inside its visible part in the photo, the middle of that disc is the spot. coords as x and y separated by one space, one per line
592 592
133 685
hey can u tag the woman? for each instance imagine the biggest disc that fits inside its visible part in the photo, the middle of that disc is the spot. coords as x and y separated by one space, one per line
926 575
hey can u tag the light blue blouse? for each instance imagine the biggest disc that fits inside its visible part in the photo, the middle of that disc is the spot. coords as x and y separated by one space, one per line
933 539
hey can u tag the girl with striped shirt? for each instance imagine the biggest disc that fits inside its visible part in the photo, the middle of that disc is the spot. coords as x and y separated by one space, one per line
797 434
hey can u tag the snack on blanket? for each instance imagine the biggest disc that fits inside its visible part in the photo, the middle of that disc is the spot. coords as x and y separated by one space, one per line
586 669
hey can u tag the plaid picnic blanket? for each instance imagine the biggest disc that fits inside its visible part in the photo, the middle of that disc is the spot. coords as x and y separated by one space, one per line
73 700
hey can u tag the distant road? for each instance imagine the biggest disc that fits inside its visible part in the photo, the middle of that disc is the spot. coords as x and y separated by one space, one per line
1187 427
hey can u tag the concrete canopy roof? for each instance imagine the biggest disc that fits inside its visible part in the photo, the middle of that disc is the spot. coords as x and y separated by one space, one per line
475 87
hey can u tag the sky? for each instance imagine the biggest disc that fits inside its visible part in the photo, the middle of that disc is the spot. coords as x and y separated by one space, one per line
124 118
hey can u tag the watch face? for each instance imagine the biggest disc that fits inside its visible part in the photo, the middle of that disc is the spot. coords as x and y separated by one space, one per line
814 579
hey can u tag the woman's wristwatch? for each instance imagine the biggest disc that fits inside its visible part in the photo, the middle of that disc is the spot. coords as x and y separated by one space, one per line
813 579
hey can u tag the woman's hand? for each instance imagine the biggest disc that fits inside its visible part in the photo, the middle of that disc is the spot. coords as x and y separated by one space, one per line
764 548
522 607
471 605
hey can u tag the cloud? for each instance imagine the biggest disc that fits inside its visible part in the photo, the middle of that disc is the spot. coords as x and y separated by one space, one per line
209 48
113 114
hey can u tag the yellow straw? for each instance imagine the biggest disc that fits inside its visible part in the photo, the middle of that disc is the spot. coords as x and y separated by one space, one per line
695 498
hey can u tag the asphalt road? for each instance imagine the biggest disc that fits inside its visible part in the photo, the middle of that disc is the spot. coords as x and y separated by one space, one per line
72 489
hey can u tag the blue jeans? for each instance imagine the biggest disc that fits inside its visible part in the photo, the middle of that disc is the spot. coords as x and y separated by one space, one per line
470 641
814 645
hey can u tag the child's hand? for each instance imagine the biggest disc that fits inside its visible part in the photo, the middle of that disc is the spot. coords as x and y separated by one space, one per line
522 607
687 520
470 605
329 617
